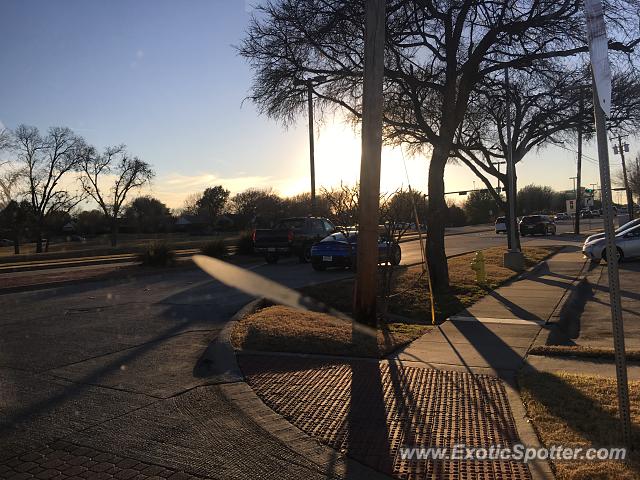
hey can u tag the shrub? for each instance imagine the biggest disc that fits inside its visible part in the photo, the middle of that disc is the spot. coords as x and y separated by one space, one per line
215 249
157 255
245 243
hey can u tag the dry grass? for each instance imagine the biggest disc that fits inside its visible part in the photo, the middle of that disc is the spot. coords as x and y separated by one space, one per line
286 330
580 410
410 296
583 352
283 329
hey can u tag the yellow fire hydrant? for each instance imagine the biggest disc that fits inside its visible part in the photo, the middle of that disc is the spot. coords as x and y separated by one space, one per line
477 265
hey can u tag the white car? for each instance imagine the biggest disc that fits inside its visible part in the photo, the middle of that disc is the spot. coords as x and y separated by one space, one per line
627 245
501 225
620 229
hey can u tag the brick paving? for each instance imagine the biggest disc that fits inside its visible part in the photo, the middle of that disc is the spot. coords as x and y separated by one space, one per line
65 460
368 411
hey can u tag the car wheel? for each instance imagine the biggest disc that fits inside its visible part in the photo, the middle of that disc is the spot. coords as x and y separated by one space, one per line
271 258
319 266
620 254
397 255
305 256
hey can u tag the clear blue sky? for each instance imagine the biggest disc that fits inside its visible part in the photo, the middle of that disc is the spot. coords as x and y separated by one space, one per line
162 77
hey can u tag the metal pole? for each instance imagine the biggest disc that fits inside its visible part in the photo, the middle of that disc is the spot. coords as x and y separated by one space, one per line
626 180
364 303
511 194
579 173
612 267
311 148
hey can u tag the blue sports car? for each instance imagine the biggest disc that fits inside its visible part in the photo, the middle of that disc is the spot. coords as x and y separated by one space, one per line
339 250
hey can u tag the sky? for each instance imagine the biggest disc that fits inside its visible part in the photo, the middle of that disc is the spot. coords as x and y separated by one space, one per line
164 78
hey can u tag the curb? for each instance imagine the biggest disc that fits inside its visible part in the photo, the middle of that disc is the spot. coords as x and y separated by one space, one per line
219 360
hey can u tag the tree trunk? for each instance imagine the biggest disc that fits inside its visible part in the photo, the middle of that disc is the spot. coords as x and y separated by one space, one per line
114 233
16 244
436 214
39 240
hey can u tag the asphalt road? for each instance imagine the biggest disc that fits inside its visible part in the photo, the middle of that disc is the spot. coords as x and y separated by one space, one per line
469 242
457 241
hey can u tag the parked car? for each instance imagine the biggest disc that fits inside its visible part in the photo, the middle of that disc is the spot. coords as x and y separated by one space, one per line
537 224
562 216
291 236
339 250
5 242
627 245
501 225
620 229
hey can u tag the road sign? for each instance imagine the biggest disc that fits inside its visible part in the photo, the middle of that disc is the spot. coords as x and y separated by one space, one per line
599 53
571 207
598 49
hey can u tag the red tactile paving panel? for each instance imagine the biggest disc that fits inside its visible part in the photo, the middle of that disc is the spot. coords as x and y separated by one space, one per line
368 411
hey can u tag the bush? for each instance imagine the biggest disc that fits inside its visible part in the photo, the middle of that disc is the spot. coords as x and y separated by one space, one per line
215 249
157 255
245 243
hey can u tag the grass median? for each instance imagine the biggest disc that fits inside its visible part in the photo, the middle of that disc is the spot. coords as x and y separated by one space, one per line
581 411
284 329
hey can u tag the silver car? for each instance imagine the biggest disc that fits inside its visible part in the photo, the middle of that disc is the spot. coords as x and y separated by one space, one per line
620 229
627 245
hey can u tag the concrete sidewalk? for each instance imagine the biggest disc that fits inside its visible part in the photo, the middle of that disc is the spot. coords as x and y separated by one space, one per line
586 319
493 335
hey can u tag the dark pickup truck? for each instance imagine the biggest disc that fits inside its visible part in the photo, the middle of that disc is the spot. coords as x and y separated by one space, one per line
291 236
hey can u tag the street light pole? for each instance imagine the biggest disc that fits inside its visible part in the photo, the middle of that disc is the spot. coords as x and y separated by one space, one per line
513 258
497 164
308 83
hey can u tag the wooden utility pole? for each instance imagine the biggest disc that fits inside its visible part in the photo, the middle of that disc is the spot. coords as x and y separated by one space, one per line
314 204
579 173
364 303
626 179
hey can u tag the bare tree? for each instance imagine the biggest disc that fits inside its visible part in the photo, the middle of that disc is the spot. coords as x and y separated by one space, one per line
46 161
10 174
633 176
190 205
129 172
437 55
545 109
343 204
